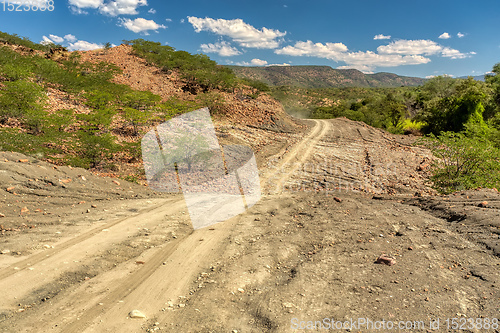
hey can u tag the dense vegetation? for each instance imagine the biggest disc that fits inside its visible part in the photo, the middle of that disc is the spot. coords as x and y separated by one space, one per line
68 136
460 118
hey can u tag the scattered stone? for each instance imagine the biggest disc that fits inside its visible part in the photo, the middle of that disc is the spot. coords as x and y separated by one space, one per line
386 260
423 167
25 210
483 204
182 305
6 251
10 189
136 314
337 199
116 182
2 215
288 305
65 181
47 246
241 290
93 206
23 160
140 262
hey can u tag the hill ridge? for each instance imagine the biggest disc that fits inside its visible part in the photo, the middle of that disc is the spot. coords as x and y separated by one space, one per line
322 76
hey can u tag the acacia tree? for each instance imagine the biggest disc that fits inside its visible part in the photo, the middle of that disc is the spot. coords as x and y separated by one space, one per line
96 143
137 108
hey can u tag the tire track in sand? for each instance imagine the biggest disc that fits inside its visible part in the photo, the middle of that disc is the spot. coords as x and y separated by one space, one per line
156 282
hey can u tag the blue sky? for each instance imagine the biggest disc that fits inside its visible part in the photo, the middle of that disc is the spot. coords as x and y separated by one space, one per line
415 38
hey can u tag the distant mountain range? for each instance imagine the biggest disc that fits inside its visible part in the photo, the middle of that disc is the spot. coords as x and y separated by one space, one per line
477 78
322 77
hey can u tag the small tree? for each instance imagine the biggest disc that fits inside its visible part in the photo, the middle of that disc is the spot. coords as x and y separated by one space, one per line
188 149
137 108
96 143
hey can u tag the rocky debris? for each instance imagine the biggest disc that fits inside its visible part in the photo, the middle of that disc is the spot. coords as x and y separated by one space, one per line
136 314
386 260
58 53
465 211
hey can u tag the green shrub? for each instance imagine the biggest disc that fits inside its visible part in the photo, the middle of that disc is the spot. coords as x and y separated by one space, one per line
23 100
464 162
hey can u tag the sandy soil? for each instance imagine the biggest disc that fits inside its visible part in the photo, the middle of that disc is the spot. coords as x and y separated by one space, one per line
337 197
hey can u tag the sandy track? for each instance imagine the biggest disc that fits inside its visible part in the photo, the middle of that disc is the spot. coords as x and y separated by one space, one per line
102 303
354 156
295 158
292 254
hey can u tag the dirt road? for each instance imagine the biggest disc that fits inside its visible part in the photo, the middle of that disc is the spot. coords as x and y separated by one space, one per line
305 252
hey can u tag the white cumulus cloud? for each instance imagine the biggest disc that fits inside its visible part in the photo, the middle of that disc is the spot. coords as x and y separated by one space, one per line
70 38
258 62
253 62
82 45
46 40
454 54
111 8
224 49
331 51
365 61
239 31
404 46
121 7
152 11
56 39
460 35
421 47
381 37
444 35
140 25
86 3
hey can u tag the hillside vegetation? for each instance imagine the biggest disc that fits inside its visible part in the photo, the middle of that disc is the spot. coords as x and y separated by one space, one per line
460 118
66 110
322 77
